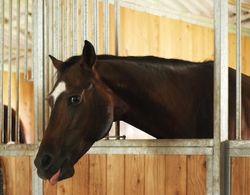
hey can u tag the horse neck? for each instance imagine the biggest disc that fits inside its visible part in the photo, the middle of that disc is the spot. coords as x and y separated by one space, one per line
136 88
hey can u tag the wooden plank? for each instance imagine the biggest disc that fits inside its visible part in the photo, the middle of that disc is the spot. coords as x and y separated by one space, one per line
115 174
80 180
49 189
155 175
240 176
97 174
134 174
9 178
176 167
237 175
247 176
64 187
196 175
23 175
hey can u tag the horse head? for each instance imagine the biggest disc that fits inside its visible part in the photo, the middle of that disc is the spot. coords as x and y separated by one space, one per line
81 113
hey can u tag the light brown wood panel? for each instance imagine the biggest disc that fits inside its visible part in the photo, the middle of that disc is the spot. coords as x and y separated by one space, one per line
23 175
9 168
196 175
16 175
64 187
115 174
134 174
97 174
155 175
176 174
240 176
80 181
49 189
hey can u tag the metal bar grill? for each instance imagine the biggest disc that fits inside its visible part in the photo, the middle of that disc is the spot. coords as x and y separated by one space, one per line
85 22
117 33
17 123
9 123
95 24
2 6
238 70
220 93
26 40
64 30
106 26
38 54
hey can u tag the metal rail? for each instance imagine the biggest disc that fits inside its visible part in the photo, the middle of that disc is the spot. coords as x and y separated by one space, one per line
238 70
220 94
2 7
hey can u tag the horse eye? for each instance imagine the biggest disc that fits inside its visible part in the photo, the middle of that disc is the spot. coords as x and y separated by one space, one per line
74 100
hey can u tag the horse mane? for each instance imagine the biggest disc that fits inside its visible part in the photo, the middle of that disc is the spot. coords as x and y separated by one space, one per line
147 61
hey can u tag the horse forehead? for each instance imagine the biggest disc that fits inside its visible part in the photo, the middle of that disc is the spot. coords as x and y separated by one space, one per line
59 89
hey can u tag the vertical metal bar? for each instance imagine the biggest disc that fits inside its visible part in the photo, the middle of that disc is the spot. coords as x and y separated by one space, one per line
26 39
2 69
209 175
17 127
220 93
51 42
59 29
65 30
85 23
54 36
37 60
117 40
37 183
74 27
47 64
9 126
95 24
238 70
106 26
227 170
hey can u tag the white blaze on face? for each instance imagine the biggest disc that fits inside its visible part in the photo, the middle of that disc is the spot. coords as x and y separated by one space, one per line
60 88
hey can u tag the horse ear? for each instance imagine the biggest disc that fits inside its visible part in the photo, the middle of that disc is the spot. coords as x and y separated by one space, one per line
88 54
57 63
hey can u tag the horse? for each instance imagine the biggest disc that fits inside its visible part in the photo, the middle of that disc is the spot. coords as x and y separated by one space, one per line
166 98
21 136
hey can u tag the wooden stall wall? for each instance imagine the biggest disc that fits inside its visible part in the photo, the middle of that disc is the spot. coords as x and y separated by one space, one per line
134 174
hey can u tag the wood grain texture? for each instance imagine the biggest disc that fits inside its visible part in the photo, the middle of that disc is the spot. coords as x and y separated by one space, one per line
134 174
9 168
176 174
155 175
49 189
240 176
196 175
97 174
23 175
80 181
115 174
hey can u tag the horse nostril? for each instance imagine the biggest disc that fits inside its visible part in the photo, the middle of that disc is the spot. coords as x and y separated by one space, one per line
46 161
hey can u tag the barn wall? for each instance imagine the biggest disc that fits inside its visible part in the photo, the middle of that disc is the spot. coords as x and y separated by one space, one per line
128 174
116 174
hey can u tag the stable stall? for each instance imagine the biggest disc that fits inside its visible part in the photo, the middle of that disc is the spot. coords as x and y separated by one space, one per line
30 30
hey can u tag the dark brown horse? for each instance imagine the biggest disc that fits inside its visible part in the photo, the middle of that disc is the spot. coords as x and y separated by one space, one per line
167 98
21 135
